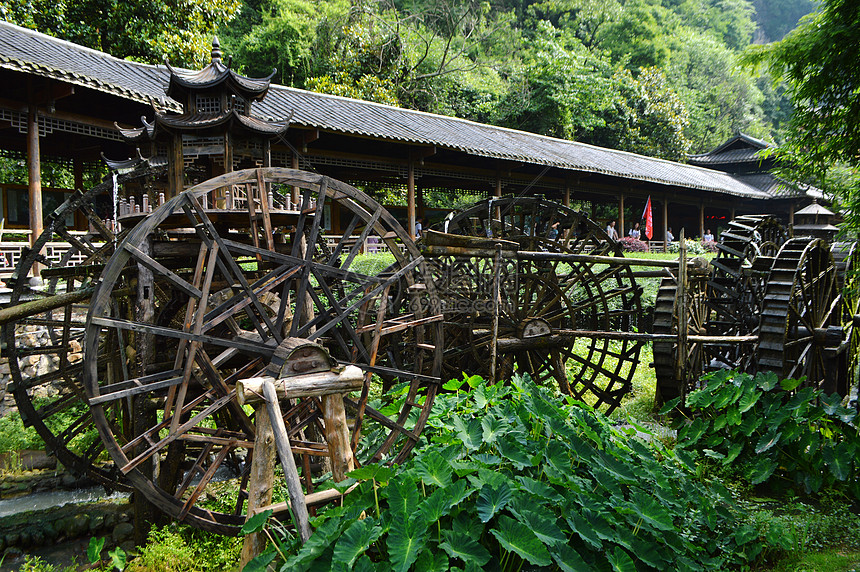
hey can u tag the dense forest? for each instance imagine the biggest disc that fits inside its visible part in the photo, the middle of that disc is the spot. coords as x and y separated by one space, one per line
657 77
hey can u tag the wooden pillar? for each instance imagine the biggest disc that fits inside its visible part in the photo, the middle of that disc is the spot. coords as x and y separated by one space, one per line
294 198
176 174
267 153
420 199
665 224
34 173
791 207
732 215
410 197
621 227
701 220
566 201
263 481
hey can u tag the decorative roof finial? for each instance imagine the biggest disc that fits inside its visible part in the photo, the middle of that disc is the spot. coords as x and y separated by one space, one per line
216 50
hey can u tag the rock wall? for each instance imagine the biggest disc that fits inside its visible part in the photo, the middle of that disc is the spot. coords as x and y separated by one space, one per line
30 337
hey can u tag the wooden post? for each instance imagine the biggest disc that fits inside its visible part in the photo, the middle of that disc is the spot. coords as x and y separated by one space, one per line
337 436
681 308
261 482
497 300
665 224
294 196
701 220
288 463
410 197
621 227
566 201
176 173
34 172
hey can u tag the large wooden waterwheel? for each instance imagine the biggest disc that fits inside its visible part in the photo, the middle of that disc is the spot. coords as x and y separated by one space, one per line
545 306
212 294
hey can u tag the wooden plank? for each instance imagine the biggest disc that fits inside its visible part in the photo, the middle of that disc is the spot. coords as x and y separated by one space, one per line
140 386
160 269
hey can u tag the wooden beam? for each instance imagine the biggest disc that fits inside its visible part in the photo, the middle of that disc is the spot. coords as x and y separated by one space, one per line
410 197
34 176
665 224
621 226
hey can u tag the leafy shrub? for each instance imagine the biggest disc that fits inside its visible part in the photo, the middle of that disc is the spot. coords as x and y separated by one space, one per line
694 247
630 244
768 430
511 477
178 548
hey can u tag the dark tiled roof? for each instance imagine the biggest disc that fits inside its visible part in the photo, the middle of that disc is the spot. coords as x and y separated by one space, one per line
731 157
778 188
216 74
31 52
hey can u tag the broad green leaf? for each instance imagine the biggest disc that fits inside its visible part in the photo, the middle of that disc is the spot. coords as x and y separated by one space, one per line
749 424
433 468
733 453
839 460
480 397
354 541
453 384
491 500
439 503
402 499
256 522
650 511
379 473
761 469
582 527
719 422
651 553
621 561
365 564
540 490
568 559
405 543
260 563
733 415
767 441
474 380
118 558
470 434
767 380
464 548
669 406
790 384
541 521
492 427
691 433
745 533
432 561
516 537
320 540
94 550
464 523
512 451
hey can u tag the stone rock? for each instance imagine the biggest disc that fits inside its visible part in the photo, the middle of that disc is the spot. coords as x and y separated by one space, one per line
75 346
68 480
97 521
122 532
79 525
4 368
75 358
12 539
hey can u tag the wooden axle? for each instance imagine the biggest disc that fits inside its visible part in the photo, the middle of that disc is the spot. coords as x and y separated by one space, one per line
566 336
351 378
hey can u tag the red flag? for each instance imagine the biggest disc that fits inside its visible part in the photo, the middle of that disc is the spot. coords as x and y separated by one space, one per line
649 220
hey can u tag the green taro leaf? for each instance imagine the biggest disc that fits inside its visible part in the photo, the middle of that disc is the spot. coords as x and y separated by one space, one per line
94 549
769 439
750 424
471 434
669 406
320 540
464 548
365 564
542 525
568 559
491 500
118 558
492 427
402 499
434 469
691 433
516 537
354 541
513 452
405 543
453 384
464 523
746 533
790 384
439 503
747 400
767 380
621 561
839 460
651 511
761 469
379 473
733 453
539 489
433 561
256 522
733 416
260 563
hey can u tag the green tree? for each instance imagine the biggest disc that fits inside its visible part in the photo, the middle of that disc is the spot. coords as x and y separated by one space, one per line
142 30
818 61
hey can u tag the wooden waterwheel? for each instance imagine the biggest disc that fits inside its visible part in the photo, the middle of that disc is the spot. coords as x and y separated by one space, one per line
801 314
846 256
51 399
214 294
550 313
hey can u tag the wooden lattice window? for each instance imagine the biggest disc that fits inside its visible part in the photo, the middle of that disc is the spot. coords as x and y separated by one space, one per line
208 104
